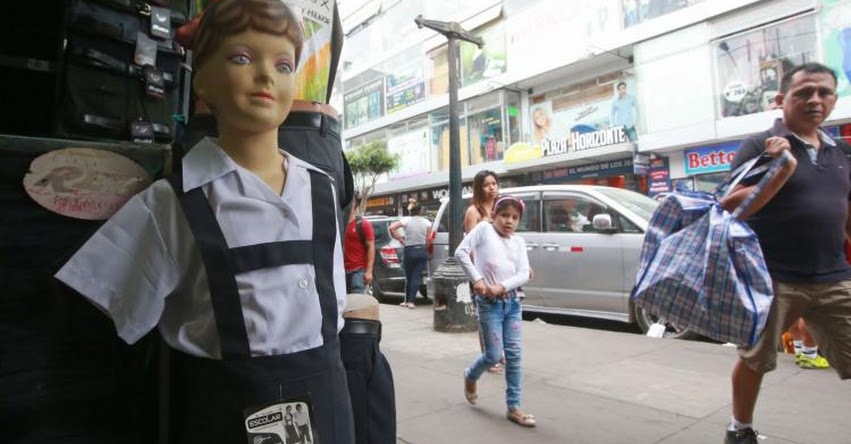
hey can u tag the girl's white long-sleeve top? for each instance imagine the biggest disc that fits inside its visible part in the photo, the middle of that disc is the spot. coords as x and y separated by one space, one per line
499 260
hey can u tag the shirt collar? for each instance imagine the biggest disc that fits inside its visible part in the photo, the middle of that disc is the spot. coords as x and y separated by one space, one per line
780 129
204 163
207 161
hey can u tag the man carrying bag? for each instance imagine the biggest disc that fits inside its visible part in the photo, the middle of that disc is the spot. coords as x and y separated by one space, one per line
802 232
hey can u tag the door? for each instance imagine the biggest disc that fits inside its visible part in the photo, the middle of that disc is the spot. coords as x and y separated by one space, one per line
580 268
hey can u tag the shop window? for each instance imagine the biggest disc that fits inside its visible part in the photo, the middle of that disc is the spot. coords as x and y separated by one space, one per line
709 182
363 98
750 65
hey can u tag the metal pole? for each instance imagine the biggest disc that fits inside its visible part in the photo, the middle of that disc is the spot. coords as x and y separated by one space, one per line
455 215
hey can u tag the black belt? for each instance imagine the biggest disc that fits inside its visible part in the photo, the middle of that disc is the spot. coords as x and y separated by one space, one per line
320 121
367 327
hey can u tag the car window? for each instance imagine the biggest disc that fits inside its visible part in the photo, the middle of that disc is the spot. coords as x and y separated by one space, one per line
443 226
531 220
639 204
570 214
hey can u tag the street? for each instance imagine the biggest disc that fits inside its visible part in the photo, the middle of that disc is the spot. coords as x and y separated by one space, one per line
598 386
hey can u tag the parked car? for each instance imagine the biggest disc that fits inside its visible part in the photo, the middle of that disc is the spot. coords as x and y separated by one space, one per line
584 243
387 272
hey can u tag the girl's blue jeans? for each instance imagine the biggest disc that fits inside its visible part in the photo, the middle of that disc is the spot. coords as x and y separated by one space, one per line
500 321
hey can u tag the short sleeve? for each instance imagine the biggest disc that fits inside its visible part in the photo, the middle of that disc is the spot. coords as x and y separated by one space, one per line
368 230
750 148
126 270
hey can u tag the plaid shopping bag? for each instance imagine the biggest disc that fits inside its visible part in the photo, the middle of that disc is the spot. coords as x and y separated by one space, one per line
702 268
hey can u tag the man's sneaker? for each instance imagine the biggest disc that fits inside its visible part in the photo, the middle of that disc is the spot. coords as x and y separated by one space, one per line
744 436
818 362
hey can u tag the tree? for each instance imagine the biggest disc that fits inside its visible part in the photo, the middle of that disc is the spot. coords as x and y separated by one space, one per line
368 163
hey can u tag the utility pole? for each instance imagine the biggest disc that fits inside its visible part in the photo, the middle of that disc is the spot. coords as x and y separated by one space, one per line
453 32
453 308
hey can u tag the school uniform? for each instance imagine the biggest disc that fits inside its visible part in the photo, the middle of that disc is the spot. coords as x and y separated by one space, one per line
266 335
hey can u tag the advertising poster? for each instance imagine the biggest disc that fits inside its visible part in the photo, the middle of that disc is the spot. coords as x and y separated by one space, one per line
658 177
486 62
405 86
750 65
836 41
587 110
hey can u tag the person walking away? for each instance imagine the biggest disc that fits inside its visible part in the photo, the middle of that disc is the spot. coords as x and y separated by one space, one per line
417 230
359 251
805 347
502 266
485 190
801 221
238 256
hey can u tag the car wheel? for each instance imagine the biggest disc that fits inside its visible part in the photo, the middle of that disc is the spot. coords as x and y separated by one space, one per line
645 320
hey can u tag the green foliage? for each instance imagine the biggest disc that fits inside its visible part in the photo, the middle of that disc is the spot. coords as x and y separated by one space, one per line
368 163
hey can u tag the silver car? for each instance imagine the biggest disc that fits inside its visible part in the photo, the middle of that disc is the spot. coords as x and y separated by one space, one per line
584 243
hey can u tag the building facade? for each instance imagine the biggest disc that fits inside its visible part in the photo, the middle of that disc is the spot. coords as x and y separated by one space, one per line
647 95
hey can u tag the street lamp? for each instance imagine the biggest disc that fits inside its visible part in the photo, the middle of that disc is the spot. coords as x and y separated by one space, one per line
452 303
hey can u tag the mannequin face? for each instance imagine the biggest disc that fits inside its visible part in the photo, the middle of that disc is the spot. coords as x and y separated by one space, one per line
249 81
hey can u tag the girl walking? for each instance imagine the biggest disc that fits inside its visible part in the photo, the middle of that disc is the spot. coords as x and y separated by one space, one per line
502 266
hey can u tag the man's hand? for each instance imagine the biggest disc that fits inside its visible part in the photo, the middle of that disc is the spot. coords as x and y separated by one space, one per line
774 146
367 277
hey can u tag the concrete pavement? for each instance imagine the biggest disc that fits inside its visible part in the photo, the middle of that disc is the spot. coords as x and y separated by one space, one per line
595 386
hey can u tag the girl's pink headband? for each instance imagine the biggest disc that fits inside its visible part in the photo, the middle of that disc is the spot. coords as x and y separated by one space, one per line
504 200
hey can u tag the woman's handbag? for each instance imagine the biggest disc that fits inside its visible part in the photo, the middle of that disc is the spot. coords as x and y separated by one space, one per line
701 268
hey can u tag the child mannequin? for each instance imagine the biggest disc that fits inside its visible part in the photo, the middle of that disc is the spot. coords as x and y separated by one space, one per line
236 258
502 266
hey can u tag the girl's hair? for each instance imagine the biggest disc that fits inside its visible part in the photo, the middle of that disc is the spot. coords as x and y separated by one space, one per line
509 201
225 18
478 200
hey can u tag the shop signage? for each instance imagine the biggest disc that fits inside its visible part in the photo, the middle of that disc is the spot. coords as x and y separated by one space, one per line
710 159
598 169
640 164
439 193
583 141
658 177
379 201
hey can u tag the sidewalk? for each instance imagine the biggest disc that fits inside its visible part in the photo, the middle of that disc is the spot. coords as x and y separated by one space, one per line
594 386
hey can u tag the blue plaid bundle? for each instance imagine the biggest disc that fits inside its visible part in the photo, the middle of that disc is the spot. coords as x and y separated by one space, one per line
701 268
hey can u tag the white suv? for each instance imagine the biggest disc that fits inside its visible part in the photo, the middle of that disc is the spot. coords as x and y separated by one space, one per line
583 241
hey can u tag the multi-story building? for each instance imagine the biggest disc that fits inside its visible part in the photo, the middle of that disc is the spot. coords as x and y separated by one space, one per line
641 94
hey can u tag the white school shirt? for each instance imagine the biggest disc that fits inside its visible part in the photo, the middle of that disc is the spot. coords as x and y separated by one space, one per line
143 267
499 260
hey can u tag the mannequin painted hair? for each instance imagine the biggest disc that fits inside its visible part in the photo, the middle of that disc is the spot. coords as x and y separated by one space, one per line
229 17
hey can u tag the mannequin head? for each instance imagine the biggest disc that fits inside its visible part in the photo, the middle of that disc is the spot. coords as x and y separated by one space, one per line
245 57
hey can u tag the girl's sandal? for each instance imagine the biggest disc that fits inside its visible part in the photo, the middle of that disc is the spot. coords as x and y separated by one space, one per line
496 368
520 418
470 390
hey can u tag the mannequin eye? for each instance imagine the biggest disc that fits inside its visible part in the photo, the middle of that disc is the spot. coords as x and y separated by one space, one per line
240 59
284 67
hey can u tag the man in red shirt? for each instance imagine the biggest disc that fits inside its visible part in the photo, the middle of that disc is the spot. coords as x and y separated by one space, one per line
358 252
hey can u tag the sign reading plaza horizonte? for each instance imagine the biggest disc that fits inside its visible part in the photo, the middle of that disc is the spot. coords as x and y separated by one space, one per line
583 141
